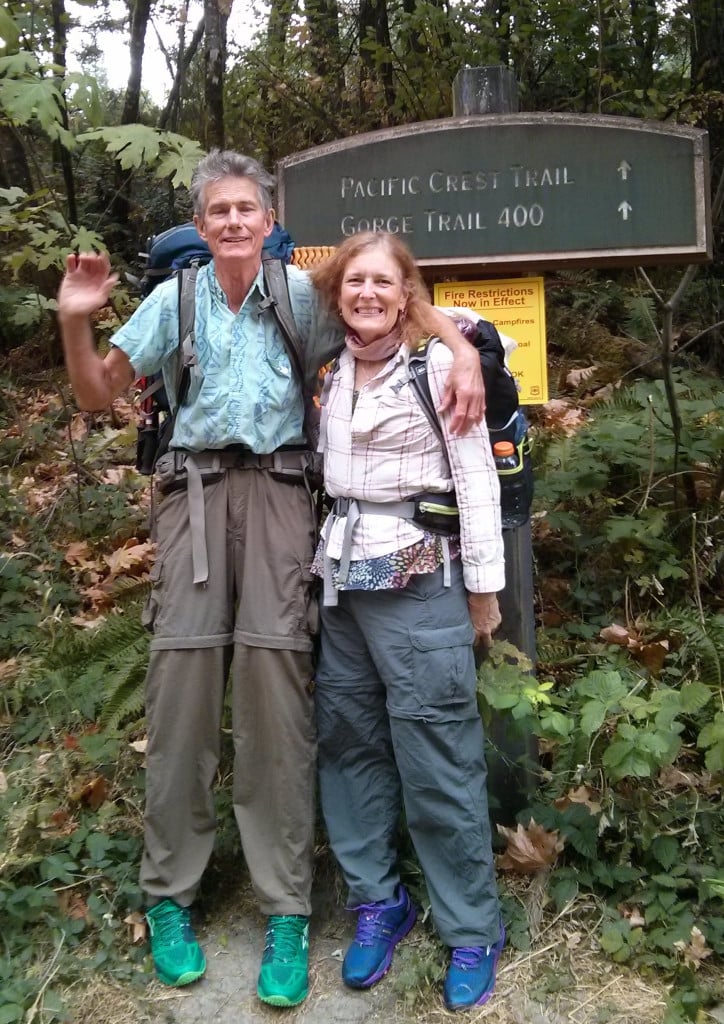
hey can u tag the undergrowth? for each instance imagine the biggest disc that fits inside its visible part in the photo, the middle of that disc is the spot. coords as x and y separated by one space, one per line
627 704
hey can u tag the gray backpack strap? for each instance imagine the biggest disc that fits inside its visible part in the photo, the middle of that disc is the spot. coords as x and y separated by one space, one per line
186 331
278 301
185 354
275 279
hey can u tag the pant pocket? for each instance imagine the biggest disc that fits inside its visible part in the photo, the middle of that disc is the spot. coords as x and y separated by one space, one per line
444 665
153 601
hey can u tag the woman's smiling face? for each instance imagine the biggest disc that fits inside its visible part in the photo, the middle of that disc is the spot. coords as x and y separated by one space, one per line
372 294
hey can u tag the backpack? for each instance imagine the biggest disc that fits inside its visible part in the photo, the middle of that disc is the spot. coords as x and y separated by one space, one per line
504 419
181 251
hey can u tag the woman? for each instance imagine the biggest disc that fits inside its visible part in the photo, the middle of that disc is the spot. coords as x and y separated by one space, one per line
395 686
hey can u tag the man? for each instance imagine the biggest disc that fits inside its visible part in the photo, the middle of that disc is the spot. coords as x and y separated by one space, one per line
232 594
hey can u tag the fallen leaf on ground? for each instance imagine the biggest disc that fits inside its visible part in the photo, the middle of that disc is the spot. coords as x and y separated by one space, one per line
529 849
138 927
695 951
576 377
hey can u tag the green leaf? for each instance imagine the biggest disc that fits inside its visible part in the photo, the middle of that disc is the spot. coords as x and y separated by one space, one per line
10 1013
622 759
592 717
83 92
606 687
24 100
666 851
133 145
553 722
711 739
13 195
10 35
612 939
694 696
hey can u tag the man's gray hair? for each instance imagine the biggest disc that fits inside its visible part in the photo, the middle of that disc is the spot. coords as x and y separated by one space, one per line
228 164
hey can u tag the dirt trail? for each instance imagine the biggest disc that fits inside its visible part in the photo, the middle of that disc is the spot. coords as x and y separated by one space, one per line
583 987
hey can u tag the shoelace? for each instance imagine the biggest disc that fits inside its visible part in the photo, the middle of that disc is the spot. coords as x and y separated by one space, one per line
370 924
282 937
467 958
172 923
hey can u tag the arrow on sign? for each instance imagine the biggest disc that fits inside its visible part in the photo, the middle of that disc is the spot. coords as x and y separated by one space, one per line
625 209
623 168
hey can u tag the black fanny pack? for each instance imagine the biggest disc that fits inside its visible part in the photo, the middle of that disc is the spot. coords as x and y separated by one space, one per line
437 513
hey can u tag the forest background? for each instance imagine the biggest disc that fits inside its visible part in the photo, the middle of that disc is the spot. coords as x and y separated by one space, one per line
621 841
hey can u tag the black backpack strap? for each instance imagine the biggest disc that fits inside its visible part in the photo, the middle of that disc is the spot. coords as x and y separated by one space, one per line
417 375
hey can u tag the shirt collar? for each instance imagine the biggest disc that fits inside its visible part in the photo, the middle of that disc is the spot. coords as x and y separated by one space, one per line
218 292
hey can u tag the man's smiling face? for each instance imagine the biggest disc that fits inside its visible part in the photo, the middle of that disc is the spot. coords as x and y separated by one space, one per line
234 223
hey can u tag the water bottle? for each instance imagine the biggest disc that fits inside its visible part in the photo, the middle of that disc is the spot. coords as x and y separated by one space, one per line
515 493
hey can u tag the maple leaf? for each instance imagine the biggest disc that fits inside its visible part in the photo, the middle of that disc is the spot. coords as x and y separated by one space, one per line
137 924
560 414
115 475
73 906
616 635
79 426
580 795
131 556
92 793
695 951
652 656
529 849
124 410
88 623
633 915
576 377
8 669
78 553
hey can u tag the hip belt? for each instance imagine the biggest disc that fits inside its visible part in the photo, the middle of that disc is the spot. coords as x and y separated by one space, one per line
192 471
350 509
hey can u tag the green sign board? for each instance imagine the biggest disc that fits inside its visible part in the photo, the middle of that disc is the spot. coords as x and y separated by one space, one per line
536 189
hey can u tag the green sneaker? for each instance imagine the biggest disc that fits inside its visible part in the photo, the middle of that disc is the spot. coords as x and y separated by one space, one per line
284 974
176 954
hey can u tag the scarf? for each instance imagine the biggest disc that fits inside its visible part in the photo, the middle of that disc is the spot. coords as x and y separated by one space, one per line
380 348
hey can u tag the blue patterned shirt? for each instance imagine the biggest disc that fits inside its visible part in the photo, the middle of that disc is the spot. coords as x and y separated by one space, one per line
243 390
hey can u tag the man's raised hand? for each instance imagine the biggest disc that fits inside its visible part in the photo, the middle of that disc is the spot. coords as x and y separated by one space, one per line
87 284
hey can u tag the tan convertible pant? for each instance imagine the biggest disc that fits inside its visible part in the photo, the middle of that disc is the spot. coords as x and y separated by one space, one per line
254 621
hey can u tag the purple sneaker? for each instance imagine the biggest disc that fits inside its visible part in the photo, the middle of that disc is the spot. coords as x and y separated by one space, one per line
470 978
380 926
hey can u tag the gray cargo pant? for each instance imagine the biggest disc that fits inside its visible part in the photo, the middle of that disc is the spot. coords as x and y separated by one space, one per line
254 622
398 725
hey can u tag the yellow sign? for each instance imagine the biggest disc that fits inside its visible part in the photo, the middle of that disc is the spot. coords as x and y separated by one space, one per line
517 308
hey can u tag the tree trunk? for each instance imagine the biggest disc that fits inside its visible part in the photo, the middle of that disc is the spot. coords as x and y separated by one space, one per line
280 14
140 13
61 154
14 166
324 45
216 16
170 115
645 31
707 43
375 49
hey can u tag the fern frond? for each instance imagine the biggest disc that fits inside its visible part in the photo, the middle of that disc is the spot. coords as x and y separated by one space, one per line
704 645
